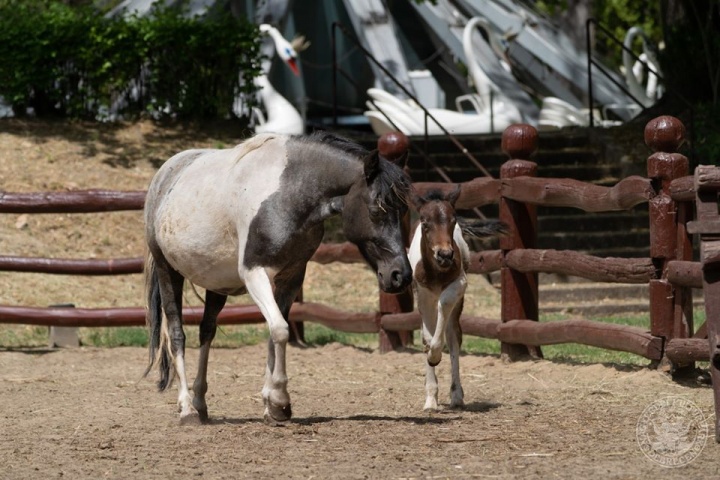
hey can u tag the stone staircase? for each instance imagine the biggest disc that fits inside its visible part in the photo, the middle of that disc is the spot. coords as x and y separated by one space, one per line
580 154
595 156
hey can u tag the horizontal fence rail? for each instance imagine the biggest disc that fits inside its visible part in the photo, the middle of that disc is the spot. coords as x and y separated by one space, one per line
670 273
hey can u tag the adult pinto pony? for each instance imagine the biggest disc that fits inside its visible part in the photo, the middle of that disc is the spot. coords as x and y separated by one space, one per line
247 220
440 257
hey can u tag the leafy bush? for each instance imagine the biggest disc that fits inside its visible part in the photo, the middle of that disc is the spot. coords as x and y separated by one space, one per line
76 62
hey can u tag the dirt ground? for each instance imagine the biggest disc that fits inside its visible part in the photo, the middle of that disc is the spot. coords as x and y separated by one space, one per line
87 413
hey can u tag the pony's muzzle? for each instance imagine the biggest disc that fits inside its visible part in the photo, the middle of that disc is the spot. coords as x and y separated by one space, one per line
395 280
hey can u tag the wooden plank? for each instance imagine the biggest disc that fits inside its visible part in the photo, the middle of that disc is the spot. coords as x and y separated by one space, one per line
76 201
686 350
685 273
567 192
569 262
604 335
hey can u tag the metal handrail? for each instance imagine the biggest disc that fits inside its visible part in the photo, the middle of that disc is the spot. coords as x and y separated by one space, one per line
371 57
599 27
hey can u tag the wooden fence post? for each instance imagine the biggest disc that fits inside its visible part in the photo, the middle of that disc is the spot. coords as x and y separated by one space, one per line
394 146
670 305
707 179
519 298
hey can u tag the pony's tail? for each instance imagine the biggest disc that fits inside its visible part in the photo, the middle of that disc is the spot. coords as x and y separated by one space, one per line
477 228
156 322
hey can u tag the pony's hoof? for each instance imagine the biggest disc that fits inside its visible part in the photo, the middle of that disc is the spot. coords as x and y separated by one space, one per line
192 418
276 415
201 409
457 405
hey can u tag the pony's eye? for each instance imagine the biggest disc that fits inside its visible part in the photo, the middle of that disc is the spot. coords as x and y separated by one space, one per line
376 213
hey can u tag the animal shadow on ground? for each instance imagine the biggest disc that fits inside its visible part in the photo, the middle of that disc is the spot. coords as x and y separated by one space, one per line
447 415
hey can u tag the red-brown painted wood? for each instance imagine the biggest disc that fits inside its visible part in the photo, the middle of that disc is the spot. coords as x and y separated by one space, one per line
519 299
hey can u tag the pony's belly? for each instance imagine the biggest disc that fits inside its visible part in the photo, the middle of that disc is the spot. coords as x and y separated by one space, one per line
203 259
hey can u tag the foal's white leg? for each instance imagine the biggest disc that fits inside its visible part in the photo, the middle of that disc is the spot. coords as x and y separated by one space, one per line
447 301
427 304
454 336
275 395
431 388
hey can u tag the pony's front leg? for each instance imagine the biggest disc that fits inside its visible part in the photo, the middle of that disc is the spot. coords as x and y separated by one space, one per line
275 394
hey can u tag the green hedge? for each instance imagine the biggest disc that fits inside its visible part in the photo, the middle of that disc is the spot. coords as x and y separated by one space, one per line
74 62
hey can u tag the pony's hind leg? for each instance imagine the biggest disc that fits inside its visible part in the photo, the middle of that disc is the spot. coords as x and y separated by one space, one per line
171 286
454 341
214 303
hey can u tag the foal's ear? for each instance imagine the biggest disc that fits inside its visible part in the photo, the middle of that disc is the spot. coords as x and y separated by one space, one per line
453 196
417 200
372 165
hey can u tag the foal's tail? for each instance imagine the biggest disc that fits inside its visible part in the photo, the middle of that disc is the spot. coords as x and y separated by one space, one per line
157 326
477 228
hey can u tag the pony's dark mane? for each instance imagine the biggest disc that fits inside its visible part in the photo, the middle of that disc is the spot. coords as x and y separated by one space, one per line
393 185
336 141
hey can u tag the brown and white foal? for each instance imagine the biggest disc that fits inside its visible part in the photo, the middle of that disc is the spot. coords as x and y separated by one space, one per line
440 258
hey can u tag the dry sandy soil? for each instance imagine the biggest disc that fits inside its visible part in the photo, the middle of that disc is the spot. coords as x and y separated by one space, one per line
86 413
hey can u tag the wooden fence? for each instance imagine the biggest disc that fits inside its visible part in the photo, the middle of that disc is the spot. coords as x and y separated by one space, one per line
672 195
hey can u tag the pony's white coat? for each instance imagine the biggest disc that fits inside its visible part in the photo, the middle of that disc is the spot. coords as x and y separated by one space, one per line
208 247
437 307
248 219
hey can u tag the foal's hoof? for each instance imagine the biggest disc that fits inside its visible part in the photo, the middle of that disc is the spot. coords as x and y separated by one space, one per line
276 415
433 362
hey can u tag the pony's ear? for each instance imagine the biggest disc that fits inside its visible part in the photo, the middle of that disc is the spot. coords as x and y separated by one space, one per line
372 165
453 195
417 200
400 161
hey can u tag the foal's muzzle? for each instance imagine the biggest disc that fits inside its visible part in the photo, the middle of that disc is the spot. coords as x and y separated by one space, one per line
444 258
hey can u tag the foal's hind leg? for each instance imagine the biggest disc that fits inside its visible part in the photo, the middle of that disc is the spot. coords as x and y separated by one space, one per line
171 285
214 303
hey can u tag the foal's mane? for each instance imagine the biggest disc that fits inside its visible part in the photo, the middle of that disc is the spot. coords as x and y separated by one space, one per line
392 183
434 195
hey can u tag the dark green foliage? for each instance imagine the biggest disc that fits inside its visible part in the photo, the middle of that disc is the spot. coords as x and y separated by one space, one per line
75 62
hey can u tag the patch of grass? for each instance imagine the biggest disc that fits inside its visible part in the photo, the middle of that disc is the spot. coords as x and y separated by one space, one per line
232 336
14 336
321 335
113 337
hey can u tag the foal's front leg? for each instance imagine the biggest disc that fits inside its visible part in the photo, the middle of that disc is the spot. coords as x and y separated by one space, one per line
454 340
275 394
